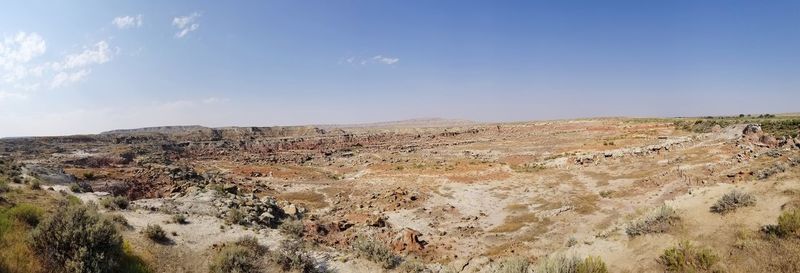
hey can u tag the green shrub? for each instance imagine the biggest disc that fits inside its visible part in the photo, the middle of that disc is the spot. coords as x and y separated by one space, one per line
26 213
658 221
592 264
558 264
4 187
413 266
119 219
242 256
77 239
375 251
35 185
514 265
292 256
570 264
115 202
155 233
688 258
733 200
74 187
292 228
73 200
179 219
236 216
789 223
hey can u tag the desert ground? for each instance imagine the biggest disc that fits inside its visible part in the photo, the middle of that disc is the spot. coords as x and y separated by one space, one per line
432 196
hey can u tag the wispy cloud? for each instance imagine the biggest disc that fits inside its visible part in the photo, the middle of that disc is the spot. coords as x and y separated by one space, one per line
124 22
98 53
21 71
66 78
186 24
377 59
385 60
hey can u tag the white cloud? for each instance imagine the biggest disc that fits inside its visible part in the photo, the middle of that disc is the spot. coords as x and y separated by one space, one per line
124 22
22 69
20 49
99 53
66 78
385 60
213 100
186 24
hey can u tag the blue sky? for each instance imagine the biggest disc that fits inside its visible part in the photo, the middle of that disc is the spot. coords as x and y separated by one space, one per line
70 67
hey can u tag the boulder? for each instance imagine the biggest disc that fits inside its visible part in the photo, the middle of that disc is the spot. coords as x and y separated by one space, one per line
407 240
752 129
230 188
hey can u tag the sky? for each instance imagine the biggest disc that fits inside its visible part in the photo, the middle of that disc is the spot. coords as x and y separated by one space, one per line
76 67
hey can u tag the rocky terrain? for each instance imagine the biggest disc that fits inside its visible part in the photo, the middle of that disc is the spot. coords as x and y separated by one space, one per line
454 197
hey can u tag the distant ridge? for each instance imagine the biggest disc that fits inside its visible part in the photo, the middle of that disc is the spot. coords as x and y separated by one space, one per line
158 129
420 122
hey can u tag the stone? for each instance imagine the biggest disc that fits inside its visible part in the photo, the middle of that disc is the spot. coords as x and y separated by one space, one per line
407 240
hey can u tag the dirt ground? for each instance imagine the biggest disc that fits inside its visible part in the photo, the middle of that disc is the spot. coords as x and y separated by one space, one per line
476 193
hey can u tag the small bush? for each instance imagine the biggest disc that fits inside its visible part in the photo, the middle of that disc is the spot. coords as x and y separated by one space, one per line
115 202
514 265
236 216
179 219
74 187
688 258
26 213
155 233
291 256
570 264
4 187
293 229
592 264
733 200
119 219
558 264
77 239
88 176
789 223
658 221
35 185
242 256
375 251
413 266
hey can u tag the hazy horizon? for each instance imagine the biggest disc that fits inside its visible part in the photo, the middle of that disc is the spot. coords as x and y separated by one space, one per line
68 68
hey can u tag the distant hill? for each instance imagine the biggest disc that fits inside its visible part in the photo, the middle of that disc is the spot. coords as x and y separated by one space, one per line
421 122
159 129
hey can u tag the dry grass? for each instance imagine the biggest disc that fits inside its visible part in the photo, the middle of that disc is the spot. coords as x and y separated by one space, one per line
515 222
733 200
686 257
307 198
659 220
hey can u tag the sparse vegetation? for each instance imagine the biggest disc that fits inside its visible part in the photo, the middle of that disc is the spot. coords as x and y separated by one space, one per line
179 219
77 239
292 228
687 257
514 265
570 264
74 187
26 213
292 256
733 200
35 184
375 251
658 221
236 217
243 256
115 202
788 224
156 233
